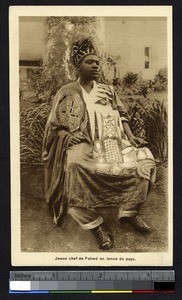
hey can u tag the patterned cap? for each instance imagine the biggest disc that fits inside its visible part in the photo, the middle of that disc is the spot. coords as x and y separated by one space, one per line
82 49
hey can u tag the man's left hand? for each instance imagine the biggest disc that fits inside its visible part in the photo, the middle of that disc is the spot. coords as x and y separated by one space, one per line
137 141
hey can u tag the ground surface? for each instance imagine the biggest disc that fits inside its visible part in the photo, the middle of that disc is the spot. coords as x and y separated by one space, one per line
38 234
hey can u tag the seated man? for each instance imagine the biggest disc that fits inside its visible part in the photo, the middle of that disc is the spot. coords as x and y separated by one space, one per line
92 159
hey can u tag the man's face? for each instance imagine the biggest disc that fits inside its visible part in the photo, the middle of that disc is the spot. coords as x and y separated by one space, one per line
89 67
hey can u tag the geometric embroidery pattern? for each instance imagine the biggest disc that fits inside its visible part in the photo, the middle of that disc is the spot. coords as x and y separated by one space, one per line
70 111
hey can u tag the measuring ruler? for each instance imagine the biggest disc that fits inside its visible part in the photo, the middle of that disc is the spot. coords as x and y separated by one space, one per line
91 281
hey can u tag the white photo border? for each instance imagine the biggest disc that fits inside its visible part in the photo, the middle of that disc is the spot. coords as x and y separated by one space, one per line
19 258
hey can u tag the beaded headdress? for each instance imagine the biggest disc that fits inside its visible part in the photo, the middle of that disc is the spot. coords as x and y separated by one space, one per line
82 49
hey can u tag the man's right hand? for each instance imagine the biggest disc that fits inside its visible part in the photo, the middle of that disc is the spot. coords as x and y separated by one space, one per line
76 139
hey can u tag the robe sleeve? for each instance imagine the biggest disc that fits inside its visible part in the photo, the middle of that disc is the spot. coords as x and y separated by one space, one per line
64 118
67 114
120 106
122 110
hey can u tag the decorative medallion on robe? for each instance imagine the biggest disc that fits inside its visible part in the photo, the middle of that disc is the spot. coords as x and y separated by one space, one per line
70 113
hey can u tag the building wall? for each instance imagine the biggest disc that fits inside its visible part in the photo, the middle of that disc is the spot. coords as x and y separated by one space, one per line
128 38
31 38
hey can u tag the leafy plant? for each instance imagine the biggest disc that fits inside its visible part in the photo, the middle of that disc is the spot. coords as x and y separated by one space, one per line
144 88
150 122
32 126
161 80
133 84
62 33
130 79
33 83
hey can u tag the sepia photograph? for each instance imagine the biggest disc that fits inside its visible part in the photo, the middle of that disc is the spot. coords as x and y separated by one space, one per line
91 136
